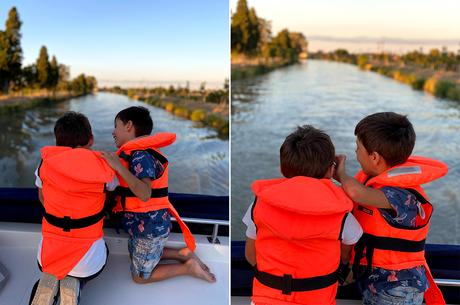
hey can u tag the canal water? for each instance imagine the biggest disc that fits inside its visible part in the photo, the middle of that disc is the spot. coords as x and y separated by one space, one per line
199 160
334 97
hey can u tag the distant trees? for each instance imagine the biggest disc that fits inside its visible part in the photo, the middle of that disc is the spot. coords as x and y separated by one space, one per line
43 74
245 32
10 51
252 36
435 59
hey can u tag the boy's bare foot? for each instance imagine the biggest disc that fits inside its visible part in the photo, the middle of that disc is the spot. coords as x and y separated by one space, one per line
197 271
188 254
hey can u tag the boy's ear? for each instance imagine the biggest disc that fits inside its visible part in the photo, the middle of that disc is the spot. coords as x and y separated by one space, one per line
330 172
90 142
129 125
376 158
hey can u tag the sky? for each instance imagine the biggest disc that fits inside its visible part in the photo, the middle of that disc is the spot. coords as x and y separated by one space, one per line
129 42
399 24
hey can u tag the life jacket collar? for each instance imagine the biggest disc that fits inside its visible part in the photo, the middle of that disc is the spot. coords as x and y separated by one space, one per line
414 172
159 140
303 195
62 160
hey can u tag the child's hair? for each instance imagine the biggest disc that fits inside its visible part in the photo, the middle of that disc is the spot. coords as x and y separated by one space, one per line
389 134
72 129
140 117
306 152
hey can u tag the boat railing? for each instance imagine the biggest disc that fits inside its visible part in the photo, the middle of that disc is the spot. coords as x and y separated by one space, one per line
213 239
447 282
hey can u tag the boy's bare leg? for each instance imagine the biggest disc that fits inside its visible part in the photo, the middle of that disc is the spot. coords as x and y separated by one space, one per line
190 267
182 255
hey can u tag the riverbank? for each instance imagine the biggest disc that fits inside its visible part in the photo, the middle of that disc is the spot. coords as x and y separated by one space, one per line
16 102
244 67
440 83
208 114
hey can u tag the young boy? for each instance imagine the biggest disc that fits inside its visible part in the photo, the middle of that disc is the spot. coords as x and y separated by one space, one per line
393 210
296 225
70 181
143 198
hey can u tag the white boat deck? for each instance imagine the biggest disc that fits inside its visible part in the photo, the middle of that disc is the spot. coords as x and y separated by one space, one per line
18 253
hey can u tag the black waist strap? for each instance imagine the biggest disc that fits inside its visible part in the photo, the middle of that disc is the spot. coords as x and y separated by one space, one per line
67 223
394 244
369 242
156 193
287 284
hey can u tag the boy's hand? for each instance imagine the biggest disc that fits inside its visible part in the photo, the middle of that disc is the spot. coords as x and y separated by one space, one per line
112 159
340 171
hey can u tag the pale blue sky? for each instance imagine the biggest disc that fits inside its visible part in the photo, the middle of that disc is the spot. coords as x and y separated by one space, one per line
142 40
420 20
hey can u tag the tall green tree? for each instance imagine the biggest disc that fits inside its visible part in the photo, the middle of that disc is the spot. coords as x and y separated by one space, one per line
43 69
3 64
13 46
245 32
54 73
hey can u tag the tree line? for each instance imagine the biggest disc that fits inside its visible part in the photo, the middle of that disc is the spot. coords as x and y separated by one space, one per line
41 75
434 59
214 96
252 36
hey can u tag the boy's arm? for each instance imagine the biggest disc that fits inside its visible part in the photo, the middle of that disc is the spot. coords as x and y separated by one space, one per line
140 187
39 185
250 251
357 191
40 195
345 253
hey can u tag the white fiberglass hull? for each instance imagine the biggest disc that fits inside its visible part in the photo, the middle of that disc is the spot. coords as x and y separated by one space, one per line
18 253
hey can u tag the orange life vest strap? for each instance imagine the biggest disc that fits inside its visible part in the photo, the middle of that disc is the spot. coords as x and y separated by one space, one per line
433 296
287 284
67 223
188 237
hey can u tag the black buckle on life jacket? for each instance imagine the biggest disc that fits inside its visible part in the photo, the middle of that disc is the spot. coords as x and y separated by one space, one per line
287 284
66 220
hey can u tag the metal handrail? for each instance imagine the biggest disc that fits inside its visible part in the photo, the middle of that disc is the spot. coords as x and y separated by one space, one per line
447 282
215 222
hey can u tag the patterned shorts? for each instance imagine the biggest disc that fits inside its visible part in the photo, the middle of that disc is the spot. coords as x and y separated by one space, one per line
145 254
396 296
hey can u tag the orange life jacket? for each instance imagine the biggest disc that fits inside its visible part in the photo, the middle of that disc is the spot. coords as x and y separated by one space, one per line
299 225
128 202
393 247
73 191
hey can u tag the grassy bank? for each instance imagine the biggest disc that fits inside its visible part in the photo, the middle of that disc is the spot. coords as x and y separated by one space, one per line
17 102
434 77
207 114
243 67
441 84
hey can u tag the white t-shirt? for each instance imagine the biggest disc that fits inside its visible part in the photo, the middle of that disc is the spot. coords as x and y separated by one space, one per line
351 233
96 257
